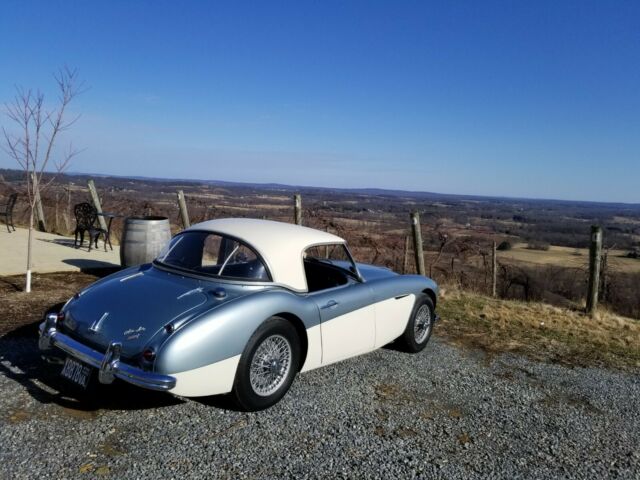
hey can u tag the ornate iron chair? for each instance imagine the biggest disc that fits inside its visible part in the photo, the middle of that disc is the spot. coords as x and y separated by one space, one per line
86 218
6 210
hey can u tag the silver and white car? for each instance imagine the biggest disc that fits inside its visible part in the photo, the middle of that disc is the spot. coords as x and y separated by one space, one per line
240 306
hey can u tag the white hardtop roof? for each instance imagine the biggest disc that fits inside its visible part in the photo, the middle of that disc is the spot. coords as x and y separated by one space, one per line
281 245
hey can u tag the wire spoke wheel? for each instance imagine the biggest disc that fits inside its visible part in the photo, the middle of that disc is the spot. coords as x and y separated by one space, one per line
422 324
270 365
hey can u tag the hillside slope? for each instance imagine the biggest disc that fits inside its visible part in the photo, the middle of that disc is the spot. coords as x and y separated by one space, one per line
540 331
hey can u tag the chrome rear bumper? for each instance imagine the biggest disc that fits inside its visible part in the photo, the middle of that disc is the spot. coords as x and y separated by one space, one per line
108 364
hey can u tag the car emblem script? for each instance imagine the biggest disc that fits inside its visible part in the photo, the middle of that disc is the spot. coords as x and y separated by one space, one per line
132 334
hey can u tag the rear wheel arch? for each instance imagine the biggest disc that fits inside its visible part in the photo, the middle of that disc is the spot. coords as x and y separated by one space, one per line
301 331
432 295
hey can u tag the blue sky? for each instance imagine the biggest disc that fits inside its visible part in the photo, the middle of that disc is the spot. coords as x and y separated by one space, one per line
531 99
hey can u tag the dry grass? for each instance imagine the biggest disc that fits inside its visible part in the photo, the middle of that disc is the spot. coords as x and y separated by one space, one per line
540 331
20 311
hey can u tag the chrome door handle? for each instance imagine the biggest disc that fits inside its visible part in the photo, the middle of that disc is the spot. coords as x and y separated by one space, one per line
330 304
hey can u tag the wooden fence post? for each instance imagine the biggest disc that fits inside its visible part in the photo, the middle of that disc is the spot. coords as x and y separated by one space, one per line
297 209
494 270
405 258
595 253
96 203
604 276
184 214
417 243
326 247
41 221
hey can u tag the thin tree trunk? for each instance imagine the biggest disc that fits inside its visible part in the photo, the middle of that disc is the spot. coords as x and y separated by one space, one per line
27 287
57 215
405 257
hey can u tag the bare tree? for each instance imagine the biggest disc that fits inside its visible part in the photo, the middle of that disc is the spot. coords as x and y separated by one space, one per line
32 144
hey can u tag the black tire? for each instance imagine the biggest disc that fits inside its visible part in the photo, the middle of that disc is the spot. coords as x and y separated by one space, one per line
244 393
409 342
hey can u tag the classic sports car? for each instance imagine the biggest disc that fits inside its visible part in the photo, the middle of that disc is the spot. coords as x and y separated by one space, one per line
240 306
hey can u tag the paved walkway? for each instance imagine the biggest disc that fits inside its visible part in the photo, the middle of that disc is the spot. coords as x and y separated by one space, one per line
51 253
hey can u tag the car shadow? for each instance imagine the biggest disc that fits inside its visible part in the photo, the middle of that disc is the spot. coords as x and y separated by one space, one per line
394 346
20 361
223 402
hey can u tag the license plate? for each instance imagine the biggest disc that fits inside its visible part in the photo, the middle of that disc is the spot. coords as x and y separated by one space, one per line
76 372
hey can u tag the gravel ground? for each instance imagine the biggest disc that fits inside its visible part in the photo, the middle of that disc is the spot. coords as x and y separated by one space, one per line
444 413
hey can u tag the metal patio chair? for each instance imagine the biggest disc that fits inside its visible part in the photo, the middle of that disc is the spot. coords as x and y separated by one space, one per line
86 219
6 211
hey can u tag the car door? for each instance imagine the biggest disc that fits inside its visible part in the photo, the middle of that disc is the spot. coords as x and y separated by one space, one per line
347 321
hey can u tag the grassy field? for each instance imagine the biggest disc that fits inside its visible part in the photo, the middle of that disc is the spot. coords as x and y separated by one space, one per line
540 331
566 257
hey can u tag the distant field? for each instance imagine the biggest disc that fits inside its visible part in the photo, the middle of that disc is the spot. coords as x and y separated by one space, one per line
457 231
566 257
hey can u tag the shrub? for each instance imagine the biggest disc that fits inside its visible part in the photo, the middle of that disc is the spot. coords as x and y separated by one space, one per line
506 245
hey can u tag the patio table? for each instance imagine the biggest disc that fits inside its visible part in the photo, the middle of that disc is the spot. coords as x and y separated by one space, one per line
110 216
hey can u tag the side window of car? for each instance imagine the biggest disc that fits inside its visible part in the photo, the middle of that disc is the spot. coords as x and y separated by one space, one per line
326 266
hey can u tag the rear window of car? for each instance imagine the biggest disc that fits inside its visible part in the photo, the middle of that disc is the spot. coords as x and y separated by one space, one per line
215 255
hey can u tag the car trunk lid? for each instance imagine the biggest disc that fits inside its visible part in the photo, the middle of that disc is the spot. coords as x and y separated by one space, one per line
132 309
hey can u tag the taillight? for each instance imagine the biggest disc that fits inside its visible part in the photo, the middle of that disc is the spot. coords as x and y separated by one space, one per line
60 318
149 354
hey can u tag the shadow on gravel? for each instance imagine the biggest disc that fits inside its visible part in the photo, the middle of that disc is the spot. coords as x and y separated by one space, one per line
20 361
223 402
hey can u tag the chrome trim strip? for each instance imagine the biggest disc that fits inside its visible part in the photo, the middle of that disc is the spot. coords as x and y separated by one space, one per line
190 292
109 365
129 277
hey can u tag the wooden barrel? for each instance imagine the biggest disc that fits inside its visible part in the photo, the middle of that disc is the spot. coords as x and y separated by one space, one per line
142 239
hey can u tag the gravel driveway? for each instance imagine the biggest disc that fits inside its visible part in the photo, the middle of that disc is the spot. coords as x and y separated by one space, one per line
444 413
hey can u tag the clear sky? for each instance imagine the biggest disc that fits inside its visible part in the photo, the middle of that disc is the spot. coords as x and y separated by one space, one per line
532 99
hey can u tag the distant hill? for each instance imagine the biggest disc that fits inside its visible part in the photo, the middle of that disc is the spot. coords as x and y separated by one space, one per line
13 175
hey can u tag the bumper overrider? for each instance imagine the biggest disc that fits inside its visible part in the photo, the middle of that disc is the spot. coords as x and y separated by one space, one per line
108 364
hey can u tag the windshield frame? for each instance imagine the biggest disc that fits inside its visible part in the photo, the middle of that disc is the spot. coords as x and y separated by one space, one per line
217 277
